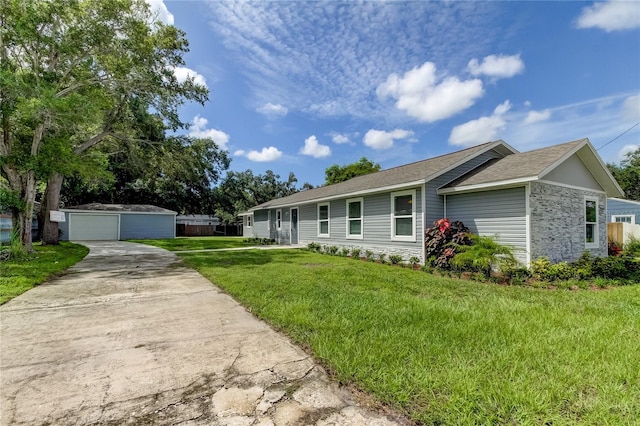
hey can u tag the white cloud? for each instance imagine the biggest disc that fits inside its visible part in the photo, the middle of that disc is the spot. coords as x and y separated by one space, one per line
627 149
631 108
198 129
484 129
273 110
611 16
340 138
160 12
315 149
380 139
182 73
497 66
266 154
537 116
427 97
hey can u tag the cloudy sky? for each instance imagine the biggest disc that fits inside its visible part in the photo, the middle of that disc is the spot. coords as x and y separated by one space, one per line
299 86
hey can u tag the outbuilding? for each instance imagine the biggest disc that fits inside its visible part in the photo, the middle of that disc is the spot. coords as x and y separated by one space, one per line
96 221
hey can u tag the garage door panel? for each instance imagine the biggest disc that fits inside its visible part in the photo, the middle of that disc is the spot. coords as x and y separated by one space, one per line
93 227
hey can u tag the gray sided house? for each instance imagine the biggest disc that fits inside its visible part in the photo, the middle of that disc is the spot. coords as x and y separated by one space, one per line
625 211
94 222
547 202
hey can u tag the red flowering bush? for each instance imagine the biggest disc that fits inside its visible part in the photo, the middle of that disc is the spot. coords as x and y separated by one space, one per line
438 250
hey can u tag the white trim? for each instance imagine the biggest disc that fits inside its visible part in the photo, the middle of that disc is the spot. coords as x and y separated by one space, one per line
328 220
629 215
279 220
350 236
527 216
566 185
424 219
487 186
596 231
637 203
444 206
249 220
412 237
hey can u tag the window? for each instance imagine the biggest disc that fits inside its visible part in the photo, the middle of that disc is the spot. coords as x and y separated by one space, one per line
591 222
323 220
354 218
624 218
403 215
278 219
249 221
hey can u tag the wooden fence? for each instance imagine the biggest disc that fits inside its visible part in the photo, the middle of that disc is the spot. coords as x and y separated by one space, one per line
185 230
621 233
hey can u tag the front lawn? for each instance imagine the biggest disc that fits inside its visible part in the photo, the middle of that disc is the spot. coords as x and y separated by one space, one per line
47 261
447 351
197 243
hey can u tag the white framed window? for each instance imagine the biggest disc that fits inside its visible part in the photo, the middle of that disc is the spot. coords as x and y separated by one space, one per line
355 207
249 221
403 216
323 220
591 222
624 218
278 219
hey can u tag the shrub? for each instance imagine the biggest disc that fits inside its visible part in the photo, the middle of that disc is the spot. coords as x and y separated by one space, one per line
613 248
344 252
632 247
516 275
260 241
14 250
484 255
355 253
332 250
382 258
314 247
369 255
438 240
414 260
395 259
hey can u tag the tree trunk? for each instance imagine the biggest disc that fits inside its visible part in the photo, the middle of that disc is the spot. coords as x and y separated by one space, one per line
22 219
48 230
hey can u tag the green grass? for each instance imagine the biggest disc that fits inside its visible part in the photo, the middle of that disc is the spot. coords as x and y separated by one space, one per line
197 243
16 277
446 351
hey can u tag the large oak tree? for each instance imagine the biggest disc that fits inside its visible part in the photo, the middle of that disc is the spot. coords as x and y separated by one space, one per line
68 72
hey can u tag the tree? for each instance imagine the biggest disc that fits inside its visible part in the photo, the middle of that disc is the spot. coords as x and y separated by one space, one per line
628 174
68 72
484 254
337 173
240 191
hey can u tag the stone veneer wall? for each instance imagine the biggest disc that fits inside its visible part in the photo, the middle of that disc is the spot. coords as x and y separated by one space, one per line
558 222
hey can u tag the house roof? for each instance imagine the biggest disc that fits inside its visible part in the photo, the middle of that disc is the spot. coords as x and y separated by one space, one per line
621 200
133 208
534 165
418 173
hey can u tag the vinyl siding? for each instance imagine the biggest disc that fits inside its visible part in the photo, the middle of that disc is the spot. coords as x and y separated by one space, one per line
490 213
147 226
435 203
247 231
261 224
376 224
617 207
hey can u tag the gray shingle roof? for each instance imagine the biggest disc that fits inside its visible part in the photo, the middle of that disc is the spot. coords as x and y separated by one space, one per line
418 171
140 208
516 166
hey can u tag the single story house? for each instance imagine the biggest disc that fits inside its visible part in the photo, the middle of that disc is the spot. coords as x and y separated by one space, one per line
95 221
547 202
626 211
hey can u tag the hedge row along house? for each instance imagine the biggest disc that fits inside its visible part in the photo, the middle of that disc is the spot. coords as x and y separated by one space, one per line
547 202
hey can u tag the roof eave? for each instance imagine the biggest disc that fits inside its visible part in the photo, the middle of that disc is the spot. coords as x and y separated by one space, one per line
509 183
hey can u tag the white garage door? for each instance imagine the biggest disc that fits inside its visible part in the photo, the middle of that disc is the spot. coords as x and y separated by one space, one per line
93 227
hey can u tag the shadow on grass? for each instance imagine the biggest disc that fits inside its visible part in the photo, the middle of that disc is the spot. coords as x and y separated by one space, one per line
240 258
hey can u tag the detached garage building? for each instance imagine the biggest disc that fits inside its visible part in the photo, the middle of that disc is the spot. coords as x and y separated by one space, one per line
104 222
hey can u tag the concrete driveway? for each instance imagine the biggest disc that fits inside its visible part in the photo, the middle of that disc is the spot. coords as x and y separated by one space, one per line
131 336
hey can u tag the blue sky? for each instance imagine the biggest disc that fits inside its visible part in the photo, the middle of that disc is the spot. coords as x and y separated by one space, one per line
299 86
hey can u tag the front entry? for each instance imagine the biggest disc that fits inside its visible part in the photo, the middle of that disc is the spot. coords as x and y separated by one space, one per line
294 226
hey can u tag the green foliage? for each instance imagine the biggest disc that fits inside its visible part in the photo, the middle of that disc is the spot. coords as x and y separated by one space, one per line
260 241
355 253
382 258
368 254
239 191
628 174
632 247
314 247
414 260
439 238
621 269
395 259
337 173
344 251
332 250
197 243
483 255
14 251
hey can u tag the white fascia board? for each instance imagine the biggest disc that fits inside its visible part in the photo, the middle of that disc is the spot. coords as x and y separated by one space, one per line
114 212
484 186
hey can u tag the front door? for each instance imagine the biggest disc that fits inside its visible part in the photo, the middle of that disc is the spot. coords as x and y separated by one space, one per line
294 226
